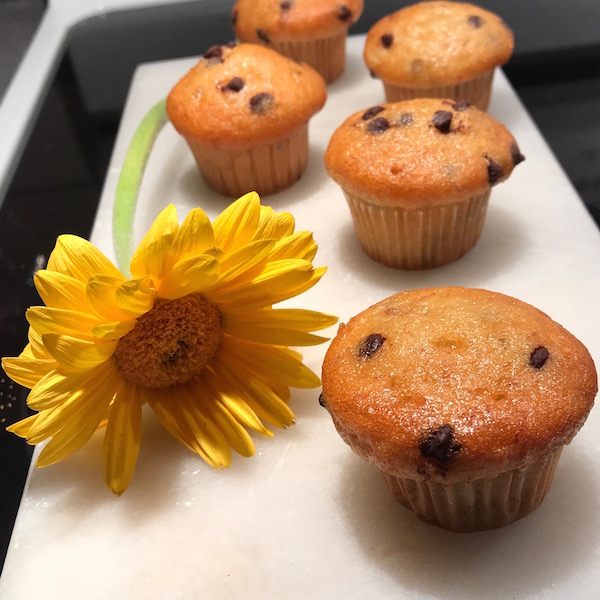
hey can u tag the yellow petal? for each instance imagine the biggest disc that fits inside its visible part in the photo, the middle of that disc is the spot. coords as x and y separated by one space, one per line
240 262
273 225
44 320
273 284
261 398
171 417
36 346
82 410
236 225
76 426
299 245
122 438
27 371
194 237
61 291
77 354
149 258
80 259
113 331
289 318
22 427
193 274
101 292
280 364
135 297
237 437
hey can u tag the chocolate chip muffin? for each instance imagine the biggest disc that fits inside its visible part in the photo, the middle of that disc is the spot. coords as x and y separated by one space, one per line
417 176
464 398
313 31
438 50
244 111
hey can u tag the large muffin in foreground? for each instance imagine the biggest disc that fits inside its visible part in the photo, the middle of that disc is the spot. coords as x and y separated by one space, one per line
438 49
244 111
463 398
313 31
417 176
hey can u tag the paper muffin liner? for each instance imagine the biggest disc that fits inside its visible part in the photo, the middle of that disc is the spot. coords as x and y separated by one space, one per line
418 238
327 55
476 91
479 505
264 169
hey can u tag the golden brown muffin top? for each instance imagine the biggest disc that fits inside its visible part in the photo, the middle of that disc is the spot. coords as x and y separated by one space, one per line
437 43
241 96
421 152
261 21
454 384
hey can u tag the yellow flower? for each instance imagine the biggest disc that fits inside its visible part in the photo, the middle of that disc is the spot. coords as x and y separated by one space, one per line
193 334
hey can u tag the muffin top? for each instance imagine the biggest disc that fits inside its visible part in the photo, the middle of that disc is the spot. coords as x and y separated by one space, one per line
453 384
437 43
261 21
421 152
244 95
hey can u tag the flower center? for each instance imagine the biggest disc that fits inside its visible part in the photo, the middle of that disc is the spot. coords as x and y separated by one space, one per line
171 343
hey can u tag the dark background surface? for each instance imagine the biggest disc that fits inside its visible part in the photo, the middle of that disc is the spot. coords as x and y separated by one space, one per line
58 181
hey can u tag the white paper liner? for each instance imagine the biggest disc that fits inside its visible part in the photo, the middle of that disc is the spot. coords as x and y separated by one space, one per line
327 55
264 169
476 91
482 504
418 238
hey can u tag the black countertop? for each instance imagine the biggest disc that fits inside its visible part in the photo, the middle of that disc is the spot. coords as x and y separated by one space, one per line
59 179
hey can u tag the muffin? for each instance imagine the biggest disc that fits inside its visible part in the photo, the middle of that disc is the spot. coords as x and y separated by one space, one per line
244 112
438 50
463 398
313 31
417 176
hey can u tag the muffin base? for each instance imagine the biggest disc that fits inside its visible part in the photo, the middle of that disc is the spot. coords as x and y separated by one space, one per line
418 238
476 91
327 55
479 505
264 169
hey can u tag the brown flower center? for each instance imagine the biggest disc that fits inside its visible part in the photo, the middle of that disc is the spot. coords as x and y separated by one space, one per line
171 343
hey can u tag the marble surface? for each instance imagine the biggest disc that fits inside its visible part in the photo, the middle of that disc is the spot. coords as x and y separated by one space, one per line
305 517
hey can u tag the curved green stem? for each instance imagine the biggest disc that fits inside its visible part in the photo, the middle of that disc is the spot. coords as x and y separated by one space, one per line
130 180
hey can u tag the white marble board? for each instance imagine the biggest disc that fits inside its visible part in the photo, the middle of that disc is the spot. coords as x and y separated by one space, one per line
305 517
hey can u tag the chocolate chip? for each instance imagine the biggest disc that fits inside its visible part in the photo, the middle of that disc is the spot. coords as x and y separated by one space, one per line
405 119
214 52
371 112
344 13
378 125
262 35
387 39
370 345
441 120
440 444
286 5
475 21
516 154
538 357
261 103
235 85
231 44
372 74
322 401
234 17
495 172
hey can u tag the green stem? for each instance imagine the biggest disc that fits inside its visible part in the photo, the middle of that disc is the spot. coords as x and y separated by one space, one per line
130 180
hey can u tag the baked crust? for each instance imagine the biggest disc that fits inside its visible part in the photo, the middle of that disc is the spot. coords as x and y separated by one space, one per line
437 43
458 389
205 105
259 21
394 154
